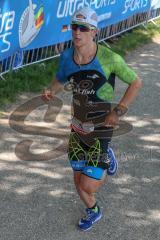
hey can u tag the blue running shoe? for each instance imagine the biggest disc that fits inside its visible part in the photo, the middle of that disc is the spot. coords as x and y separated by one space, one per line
113 165
87 222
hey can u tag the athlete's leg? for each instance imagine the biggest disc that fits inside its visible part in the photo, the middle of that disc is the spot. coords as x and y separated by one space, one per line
87 187
77 153
77 179
92 176
94 172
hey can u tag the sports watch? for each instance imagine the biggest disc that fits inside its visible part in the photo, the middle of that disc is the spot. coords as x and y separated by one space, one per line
120 110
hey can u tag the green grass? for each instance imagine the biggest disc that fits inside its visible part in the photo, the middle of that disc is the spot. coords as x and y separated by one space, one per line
29 79
35 77
138 37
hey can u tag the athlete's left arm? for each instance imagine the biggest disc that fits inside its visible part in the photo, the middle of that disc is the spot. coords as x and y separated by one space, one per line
126 74
131 92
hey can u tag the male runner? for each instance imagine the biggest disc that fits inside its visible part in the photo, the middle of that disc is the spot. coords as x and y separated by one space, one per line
91 69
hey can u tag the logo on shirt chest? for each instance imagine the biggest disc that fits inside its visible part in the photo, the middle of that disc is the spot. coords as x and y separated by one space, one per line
84 91
84 87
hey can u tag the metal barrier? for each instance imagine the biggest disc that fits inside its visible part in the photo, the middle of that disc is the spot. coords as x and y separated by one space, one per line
24 58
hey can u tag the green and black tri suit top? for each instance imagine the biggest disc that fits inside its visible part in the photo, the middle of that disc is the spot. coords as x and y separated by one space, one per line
94 82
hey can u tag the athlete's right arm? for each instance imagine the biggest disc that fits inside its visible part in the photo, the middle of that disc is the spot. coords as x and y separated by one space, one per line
48 94
57 84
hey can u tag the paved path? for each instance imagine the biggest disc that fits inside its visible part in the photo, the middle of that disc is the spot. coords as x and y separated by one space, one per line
38 199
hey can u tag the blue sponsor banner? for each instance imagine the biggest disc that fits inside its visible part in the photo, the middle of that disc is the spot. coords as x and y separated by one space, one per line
30 24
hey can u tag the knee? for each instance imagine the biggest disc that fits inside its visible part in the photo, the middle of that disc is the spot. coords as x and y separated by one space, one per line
86 188
83 186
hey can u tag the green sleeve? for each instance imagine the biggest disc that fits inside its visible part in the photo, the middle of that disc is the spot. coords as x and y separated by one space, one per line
122 70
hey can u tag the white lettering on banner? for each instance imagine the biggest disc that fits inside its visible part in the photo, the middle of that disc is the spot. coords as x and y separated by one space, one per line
7 43
133 5
68 7
6 25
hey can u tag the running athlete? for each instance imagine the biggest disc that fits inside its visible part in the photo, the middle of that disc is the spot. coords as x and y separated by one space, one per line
89 69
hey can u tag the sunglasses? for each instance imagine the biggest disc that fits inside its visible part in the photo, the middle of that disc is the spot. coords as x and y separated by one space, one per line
82 28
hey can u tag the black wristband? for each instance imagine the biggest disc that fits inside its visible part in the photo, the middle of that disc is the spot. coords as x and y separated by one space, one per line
120 110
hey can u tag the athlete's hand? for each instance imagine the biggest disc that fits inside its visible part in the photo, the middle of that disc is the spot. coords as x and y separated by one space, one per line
48 95
111 120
